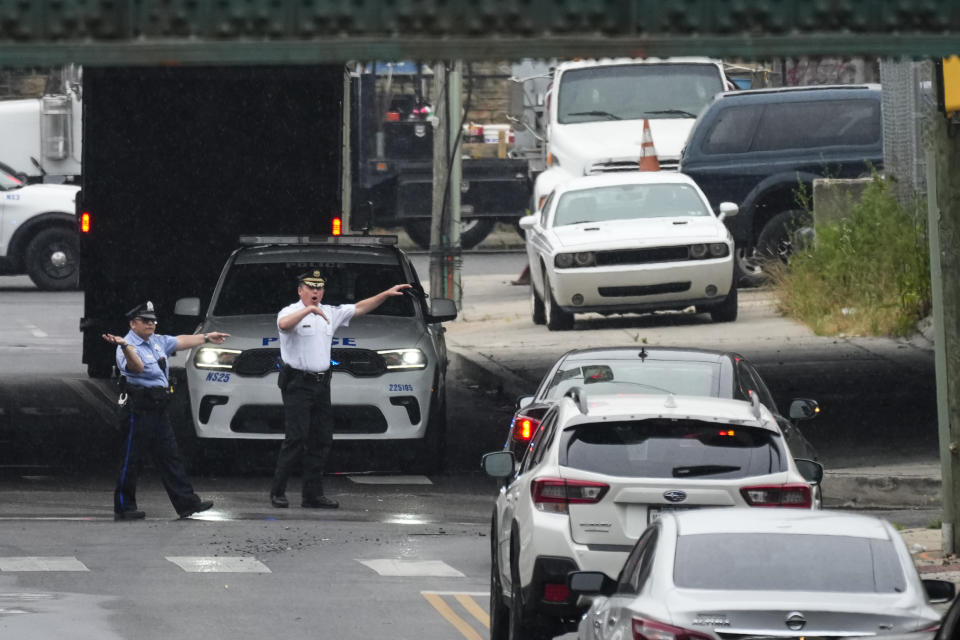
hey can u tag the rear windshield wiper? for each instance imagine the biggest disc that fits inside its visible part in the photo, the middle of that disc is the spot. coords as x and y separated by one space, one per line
671 112
702 470
605 114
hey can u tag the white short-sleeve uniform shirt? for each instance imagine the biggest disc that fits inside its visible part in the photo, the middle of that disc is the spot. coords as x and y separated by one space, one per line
307 345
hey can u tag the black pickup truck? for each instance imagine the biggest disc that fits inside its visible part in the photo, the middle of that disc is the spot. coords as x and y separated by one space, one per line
762 149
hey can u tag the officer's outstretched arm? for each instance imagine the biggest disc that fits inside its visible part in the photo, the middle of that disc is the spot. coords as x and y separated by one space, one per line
369 304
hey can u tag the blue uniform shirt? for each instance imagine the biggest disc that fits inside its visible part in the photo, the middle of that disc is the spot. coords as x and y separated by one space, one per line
150 351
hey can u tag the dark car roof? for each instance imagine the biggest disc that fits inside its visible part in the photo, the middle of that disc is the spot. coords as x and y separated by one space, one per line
653 353
799 94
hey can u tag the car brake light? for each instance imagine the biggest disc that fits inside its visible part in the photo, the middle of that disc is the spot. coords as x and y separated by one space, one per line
336 226
524 427
555 592
778 495
651 630
556 494
85 222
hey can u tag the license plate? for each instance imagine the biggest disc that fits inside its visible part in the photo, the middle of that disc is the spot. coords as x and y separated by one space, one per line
653 513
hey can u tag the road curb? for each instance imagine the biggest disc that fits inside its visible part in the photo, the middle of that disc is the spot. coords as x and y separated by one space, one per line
486 372
870 488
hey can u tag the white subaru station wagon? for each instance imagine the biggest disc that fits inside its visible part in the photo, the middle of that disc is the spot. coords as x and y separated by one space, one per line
389 366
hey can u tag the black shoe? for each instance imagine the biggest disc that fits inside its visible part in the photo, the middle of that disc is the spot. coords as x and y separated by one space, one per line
320 502
202 505
279 501
132 514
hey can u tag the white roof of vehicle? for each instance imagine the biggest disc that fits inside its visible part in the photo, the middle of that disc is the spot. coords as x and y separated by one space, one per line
615 178
786 521
638 406
608 62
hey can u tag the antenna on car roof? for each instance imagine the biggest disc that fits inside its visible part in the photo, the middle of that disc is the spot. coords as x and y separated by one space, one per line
579 396
755 401
643 353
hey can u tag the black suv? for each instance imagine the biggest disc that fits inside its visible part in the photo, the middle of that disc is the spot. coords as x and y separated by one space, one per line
758 148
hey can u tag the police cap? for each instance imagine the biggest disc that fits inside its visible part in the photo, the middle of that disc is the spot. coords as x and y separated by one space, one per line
145 311
313 279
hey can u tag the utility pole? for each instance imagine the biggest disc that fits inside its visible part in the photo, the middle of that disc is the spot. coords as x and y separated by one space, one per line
445 257
438 232
943 210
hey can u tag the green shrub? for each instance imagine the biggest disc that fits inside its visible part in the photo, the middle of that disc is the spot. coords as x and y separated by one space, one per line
868 274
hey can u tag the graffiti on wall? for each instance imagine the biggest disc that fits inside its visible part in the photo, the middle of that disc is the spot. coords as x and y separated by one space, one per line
807 71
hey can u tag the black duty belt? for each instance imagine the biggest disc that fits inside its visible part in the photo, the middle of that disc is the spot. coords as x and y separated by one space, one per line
313 376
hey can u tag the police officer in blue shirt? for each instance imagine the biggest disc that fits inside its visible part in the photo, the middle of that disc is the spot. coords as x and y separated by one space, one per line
142 361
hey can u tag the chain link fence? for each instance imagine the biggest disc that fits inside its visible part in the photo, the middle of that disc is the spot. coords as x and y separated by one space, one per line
908 107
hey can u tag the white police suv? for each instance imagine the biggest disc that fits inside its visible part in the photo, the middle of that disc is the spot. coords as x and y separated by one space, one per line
389 366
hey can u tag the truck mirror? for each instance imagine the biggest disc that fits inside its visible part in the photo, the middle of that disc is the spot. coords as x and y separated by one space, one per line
515 99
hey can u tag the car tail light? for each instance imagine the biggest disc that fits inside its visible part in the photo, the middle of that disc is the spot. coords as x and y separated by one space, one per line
651 630
85 222
524 427
555 592
556 494
778 495
336 226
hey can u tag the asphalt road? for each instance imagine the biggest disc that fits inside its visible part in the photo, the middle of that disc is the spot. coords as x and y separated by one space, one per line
404 556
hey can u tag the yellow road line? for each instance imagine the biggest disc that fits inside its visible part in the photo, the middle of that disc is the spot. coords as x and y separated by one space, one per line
459 623
475 609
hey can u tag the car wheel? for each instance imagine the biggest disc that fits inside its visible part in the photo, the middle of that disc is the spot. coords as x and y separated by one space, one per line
775 241
727 311
426 456
499 612
536 306
53 260
748 268
472 231
557 319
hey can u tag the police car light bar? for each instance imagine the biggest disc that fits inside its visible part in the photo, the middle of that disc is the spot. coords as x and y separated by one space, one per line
384 240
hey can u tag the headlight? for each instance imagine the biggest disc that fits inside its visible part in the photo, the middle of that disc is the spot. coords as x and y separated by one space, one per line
399 359
584 259
215 358
698 251
563 260
719 250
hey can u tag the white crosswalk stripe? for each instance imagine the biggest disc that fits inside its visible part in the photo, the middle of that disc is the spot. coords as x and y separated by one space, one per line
41 563
406 568
219 564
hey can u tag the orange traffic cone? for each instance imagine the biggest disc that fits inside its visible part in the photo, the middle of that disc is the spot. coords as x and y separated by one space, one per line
648 153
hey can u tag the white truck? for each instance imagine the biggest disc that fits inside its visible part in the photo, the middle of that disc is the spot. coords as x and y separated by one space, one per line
590 117
41 136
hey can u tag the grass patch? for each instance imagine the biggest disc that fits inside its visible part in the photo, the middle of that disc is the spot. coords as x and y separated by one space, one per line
868 274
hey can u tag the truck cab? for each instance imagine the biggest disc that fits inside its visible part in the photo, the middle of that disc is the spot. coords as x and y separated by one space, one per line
595 110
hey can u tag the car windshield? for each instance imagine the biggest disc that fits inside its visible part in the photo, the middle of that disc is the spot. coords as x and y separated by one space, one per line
672 448
8 181
265 288
629 201
630 92
787 562
636 376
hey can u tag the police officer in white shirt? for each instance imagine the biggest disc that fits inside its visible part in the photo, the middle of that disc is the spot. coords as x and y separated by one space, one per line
306 337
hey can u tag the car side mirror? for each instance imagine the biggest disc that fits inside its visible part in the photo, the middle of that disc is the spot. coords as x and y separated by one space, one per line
728 210
523 402
588 583
939 591
442 309
811 471
187 307
498 464
527 222
804 409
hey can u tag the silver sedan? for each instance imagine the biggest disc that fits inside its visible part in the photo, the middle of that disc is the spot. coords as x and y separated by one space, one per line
721 574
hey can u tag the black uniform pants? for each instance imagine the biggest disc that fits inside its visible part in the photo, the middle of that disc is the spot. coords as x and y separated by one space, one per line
149 433
308 431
